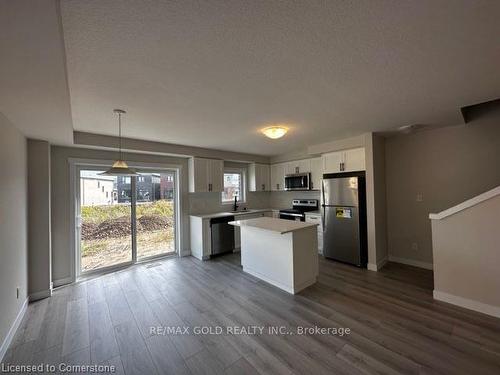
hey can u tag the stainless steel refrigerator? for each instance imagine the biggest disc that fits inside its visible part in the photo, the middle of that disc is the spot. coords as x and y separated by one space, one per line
343 205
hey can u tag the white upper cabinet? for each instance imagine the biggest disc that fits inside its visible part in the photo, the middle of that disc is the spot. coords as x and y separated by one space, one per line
313 166
278 176
206 175
316 173
332 162
354 160
216 175
259 177
298 166
344 161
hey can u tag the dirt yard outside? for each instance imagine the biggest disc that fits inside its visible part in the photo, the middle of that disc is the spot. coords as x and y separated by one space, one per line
106 233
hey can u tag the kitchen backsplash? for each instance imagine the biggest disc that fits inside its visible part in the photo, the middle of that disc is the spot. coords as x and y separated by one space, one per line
203 203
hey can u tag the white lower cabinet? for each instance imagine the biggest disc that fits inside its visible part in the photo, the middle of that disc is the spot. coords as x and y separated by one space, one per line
316 218
201 237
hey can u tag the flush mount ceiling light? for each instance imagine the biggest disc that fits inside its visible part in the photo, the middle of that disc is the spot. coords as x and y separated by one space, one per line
120 167
275 131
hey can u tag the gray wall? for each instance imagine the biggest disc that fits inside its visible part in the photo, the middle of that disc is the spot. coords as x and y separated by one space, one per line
39 241
380 192
62 200
13 224
447 166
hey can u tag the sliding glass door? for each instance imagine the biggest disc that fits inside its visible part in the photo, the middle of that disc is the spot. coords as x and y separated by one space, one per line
121 220
155 214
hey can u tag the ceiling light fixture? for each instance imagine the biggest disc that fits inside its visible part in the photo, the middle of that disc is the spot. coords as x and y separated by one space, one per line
275 131
120 167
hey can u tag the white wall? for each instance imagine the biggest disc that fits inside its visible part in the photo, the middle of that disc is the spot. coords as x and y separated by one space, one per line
13 225
466 257
39 241
447 166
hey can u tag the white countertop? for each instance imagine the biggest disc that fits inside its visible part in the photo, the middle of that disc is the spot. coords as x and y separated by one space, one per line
275 225
229 213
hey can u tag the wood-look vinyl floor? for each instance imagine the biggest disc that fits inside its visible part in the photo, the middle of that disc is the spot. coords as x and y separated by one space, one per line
396 326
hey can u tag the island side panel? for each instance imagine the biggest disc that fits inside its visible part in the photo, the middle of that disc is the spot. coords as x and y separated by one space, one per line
268 256
305 258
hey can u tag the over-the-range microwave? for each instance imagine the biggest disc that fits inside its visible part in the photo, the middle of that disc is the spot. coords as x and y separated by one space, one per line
298 181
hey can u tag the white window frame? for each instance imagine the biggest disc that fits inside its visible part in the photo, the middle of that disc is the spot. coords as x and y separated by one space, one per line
74 175
243 187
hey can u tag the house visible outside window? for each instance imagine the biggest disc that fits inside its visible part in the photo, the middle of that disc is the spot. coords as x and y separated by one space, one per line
233 186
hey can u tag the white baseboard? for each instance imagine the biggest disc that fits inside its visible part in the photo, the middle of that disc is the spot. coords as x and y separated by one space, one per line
61 282
40 295
372 267
411 262
13 329
379 265
467 303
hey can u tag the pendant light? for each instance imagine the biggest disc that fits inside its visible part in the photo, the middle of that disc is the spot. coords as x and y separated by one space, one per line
120 167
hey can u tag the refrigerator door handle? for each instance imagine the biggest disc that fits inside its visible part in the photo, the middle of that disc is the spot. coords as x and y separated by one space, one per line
322 193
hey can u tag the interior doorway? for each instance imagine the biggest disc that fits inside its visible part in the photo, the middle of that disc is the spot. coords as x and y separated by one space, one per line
121 220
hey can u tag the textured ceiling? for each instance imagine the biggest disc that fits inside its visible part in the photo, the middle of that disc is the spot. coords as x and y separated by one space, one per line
212 73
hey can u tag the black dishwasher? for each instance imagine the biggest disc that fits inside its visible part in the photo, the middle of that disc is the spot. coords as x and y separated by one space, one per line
222 235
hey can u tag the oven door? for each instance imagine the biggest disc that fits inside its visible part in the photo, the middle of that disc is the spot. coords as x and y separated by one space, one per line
292 216
300 181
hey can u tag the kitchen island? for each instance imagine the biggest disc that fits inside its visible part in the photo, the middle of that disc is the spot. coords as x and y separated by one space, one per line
283 253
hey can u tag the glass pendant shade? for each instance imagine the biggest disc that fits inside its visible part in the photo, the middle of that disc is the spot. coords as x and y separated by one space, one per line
275 132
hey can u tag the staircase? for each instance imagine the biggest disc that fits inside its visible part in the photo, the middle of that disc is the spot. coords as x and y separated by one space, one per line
466 252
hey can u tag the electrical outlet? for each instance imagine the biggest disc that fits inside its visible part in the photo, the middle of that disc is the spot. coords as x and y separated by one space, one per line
414 246
17 292
420 197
